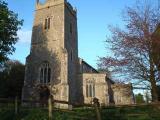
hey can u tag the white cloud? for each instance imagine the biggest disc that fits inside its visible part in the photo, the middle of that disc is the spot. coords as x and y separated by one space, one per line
24 36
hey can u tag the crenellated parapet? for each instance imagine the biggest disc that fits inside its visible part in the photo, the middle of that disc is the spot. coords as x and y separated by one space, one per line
50 3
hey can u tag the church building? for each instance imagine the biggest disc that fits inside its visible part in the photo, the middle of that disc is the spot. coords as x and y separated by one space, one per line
54 68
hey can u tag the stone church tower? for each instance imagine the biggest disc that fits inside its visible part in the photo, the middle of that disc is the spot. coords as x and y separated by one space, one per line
52 65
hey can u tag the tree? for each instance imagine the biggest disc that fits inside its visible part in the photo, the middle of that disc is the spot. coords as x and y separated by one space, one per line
139 98
106 71
12 79
9 25
132 47
159 92
156 47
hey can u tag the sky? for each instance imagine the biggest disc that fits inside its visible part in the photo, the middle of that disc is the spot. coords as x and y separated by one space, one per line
94 17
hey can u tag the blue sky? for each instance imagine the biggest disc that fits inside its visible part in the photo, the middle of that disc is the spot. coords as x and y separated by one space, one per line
94 16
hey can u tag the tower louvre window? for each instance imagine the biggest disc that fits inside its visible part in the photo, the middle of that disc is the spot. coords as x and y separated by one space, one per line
71 28
45 26
71 55
47 23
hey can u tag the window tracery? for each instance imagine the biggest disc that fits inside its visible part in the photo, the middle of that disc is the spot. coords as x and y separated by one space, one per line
90 88
45 73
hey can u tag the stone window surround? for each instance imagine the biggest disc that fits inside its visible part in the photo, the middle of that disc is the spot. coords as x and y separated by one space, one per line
45 73
90 89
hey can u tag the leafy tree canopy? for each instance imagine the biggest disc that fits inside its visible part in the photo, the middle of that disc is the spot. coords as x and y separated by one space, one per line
11 79
9 25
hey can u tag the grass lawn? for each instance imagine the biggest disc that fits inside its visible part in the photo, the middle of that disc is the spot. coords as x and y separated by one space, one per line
147 112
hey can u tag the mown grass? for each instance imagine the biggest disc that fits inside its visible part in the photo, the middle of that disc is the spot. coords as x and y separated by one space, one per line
147 112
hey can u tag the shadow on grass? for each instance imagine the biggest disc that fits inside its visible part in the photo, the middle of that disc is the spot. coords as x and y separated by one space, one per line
148 112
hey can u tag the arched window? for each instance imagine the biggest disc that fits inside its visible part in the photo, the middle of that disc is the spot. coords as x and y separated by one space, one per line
45 73
90 90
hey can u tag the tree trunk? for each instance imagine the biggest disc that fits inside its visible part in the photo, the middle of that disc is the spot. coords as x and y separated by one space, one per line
154 90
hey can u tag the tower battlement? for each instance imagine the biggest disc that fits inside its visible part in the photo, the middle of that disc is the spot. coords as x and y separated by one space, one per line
70 7
50 3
